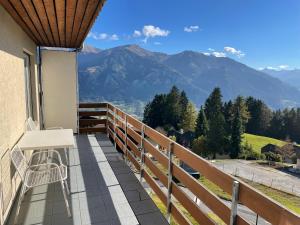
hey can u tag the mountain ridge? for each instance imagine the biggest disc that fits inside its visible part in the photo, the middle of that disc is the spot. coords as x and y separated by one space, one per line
129 73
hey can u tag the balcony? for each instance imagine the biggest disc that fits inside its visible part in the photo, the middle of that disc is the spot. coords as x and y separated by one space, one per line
104 190
158 159
114 172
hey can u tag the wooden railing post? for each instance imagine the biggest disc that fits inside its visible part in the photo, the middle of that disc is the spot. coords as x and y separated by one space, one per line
234 202
115 134
126 153
107 119
142 149
170 178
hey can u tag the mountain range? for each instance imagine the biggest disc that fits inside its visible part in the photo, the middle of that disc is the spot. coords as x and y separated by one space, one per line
130 73
292 77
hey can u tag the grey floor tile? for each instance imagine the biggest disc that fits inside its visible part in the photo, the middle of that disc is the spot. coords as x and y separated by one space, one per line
142 207
152 218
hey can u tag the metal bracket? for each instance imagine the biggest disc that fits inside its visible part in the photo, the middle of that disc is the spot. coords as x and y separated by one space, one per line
234 202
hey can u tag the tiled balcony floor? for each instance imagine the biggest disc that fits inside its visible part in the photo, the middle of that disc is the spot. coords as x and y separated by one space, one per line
104 191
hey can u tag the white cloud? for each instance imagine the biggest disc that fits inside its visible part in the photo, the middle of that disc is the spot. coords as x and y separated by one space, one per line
211 49
283 67
234 51
277 68
206 53
191 29
150 31
271 68
218 54
103 36
114 37
137 33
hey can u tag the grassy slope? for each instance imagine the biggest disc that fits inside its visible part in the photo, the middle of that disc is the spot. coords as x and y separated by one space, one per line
258 142
292 202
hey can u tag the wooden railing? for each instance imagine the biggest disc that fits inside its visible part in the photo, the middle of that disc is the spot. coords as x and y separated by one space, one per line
155 155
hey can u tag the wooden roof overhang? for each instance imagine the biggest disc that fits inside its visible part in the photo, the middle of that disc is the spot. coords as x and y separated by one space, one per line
55 23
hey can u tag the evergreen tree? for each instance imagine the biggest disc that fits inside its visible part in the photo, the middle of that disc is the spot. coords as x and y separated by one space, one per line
216 134
229 116
260 116
155 111
189 118
236 136
173 108
201 124
276 127
241 108
213 104
184 101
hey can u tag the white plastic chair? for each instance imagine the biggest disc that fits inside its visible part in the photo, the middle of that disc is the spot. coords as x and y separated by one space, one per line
39 174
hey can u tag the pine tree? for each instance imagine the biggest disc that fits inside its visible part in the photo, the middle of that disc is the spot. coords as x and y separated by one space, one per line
236 136
213 104
214 112
260 116
173 108
201 124
229 116
241 107
216 134
155 111
184 101
189 118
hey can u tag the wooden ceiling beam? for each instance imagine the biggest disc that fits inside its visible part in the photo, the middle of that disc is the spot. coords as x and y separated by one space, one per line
70 14
40 9
93 7
79 15
51 15
17 4
55 23
60 6
7 5
35 19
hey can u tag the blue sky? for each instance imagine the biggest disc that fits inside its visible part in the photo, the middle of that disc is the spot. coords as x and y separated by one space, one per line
259 33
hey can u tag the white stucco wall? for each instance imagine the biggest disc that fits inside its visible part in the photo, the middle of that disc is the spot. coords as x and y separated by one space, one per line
59 80
13 42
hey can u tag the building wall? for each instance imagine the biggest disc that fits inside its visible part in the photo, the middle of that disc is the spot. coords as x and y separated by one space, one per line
13 43
59 81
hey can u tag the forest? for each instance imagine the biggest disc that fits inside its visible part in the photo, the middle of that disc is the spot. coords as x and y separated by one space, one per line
217 127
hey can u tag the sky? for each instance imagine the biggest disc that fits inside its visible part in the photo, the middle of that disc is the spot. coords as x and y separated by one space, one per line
259 33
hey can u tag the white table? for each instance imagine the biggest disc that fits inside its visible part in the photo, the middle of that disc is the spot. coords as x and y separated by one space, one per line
48 139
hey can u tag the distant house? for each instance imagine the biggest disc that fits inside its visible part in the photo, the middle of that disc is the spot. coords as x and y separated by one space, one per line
270 148
287 151
183 138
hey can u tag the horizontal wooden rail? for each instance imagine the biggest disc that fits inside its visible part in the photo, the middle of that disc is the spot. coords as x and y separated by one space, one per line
93 105
131 135
92 113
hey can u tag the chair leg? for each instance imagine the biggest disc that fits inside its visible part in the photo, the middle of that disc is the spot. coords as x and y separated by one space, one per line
23 189
66 199
67 187
66 156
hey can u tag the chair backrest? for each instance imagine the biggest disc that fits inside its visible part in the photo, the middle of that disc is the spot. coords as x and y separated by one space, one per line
30 125
19 161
